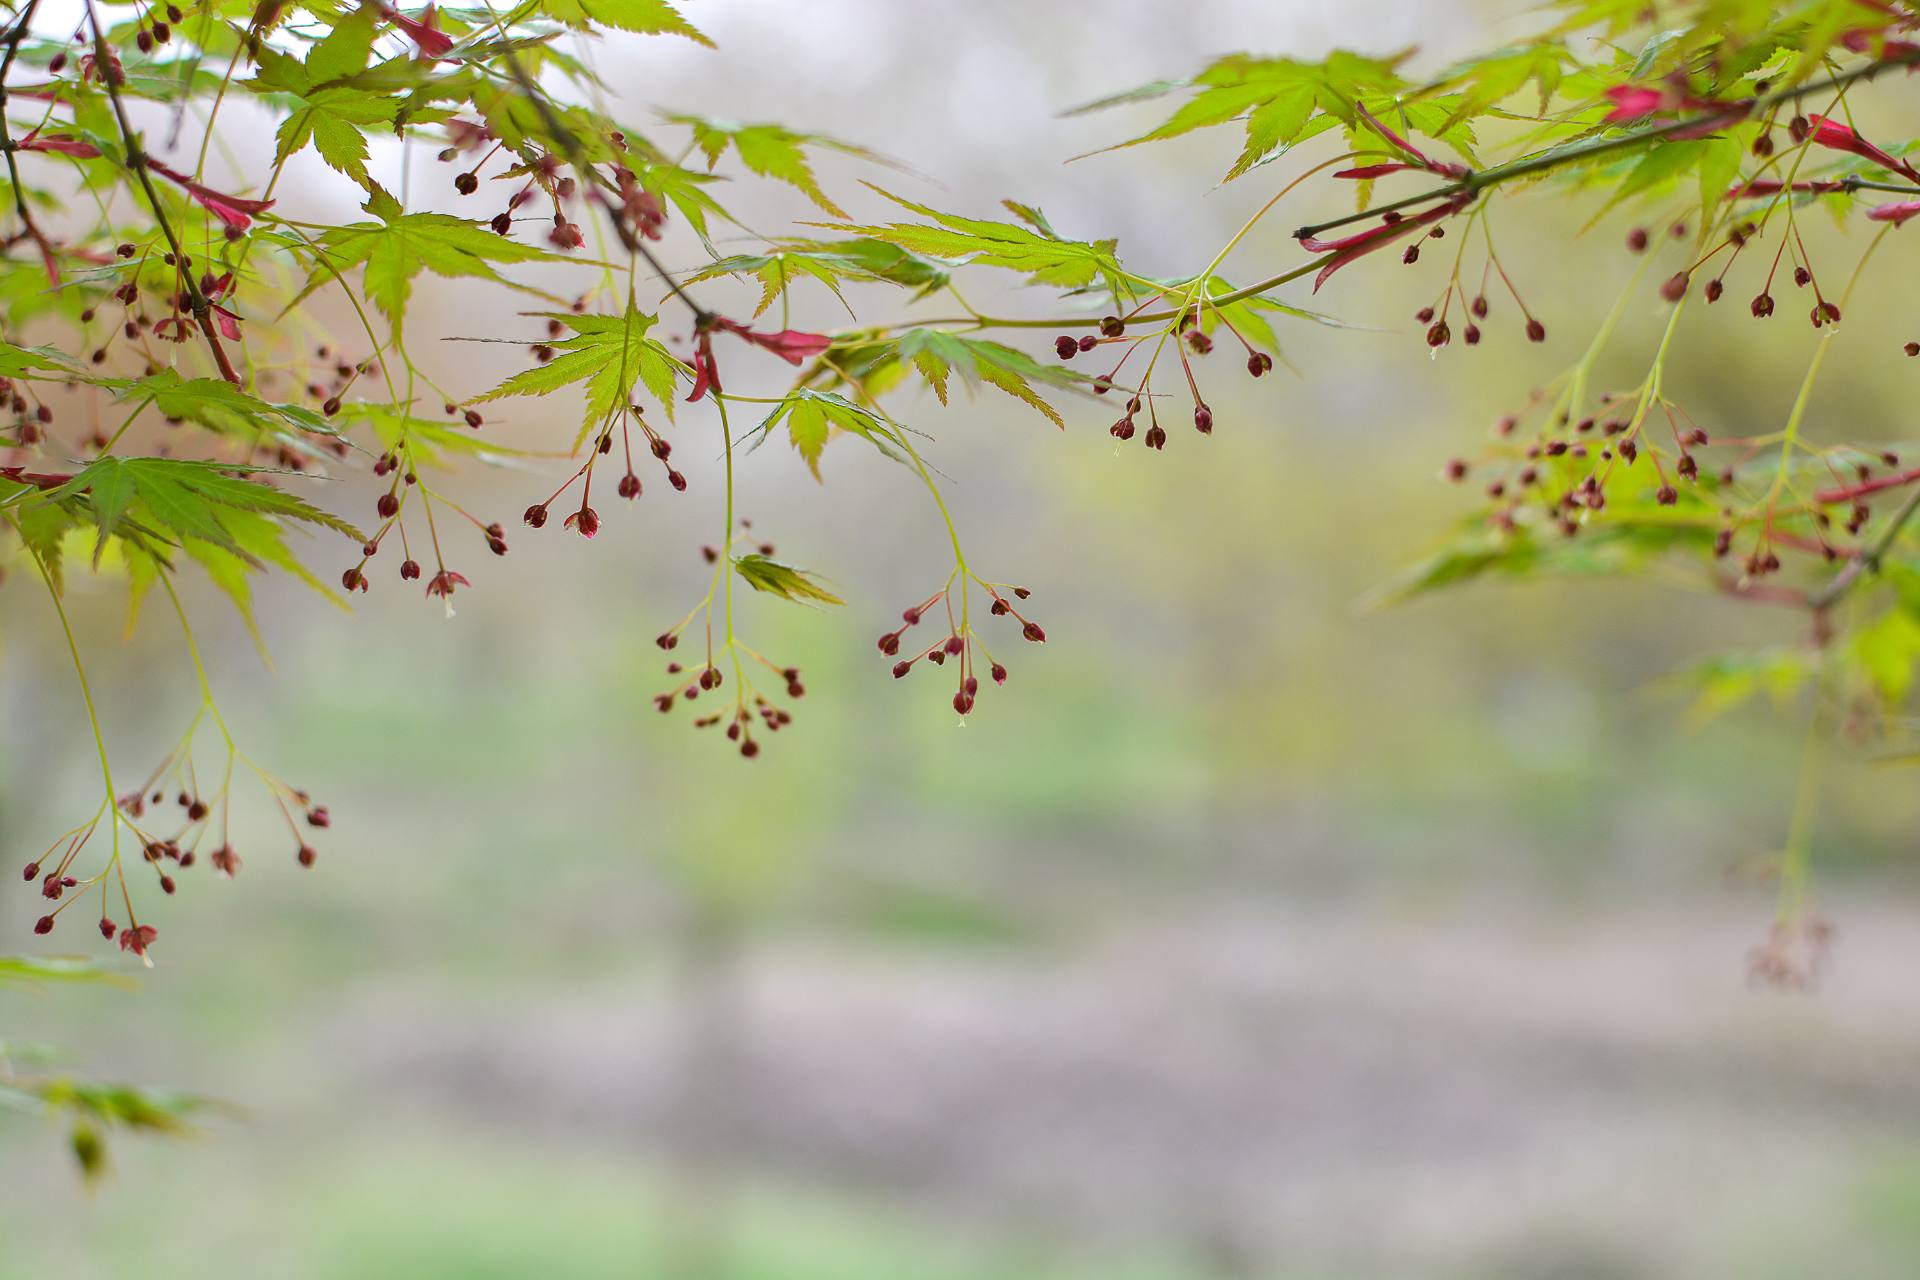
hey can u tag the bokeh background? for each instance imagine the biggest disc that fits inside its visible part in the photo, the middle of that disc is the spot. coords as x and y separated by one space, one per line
1249 931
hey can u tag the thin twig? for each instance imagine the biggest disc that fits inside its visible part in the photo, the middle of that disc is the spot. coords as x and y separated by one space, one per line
136 161
1527 166
1844 581
577 156
12 39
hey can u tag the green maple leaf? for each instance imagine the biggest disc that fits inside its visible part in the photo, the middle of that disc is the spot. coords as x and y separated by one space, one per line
607 353
771 151
332 108
1285 101
1030 247
648 17
683 189
831 262
35 362
935 353
218 405
783 580
234 527
401 245
185 499
812 416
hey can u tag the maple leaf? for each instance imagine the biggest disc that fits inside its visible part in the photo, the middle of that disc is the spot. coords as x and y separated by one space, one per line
771 151
935 355
219 406
1030 247
609 354
810 417
648 17
401 245
831 262
1285 101
783 580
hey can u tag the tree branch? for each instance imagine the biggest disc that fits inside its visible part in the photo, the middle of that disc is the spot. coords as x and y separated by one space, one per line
1845 580
576 155
136 161
1527 166
12 39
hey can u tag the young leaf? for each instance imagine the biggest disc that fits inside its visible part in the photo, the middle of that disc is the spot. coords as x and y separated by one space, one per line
811 416
935 353
1032 250
219 406
830 262
401 245
609 354
771 151
783 580
648 17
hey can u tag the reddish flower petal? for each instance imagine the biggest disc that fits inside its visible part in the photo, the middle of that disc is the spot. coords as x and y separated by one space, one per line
443 583
1832 134
1374 170
432 42
790 345
63 146
228 323
1354 247
1896 213
235 211
1631 101
706 374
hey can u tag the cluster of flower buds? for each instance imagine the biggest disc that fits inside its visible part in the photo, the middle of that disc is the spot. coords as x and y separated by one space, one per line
748 705
1436 320
1565 471
690 681
156 28
390 509
961 642
172 299
1189 336
1794 956
333 376
30 415
168 846
583 519
543 176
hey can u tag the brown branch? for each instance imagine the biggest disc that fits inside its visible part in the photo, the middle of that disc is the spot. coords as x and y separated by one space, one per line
1527 166
12 40
576 154
136 162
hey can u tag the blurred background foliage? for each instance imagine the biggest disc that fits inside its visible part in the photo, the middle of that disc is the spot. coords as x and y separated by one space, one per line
1248 931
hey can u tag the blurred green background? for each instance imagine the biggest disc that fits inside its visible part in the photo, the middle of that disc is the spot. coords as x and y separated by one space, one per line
1247 932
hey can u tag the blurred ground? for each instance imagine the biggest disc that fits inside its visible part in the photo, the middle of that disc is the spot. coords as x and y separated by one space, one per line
1248 932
